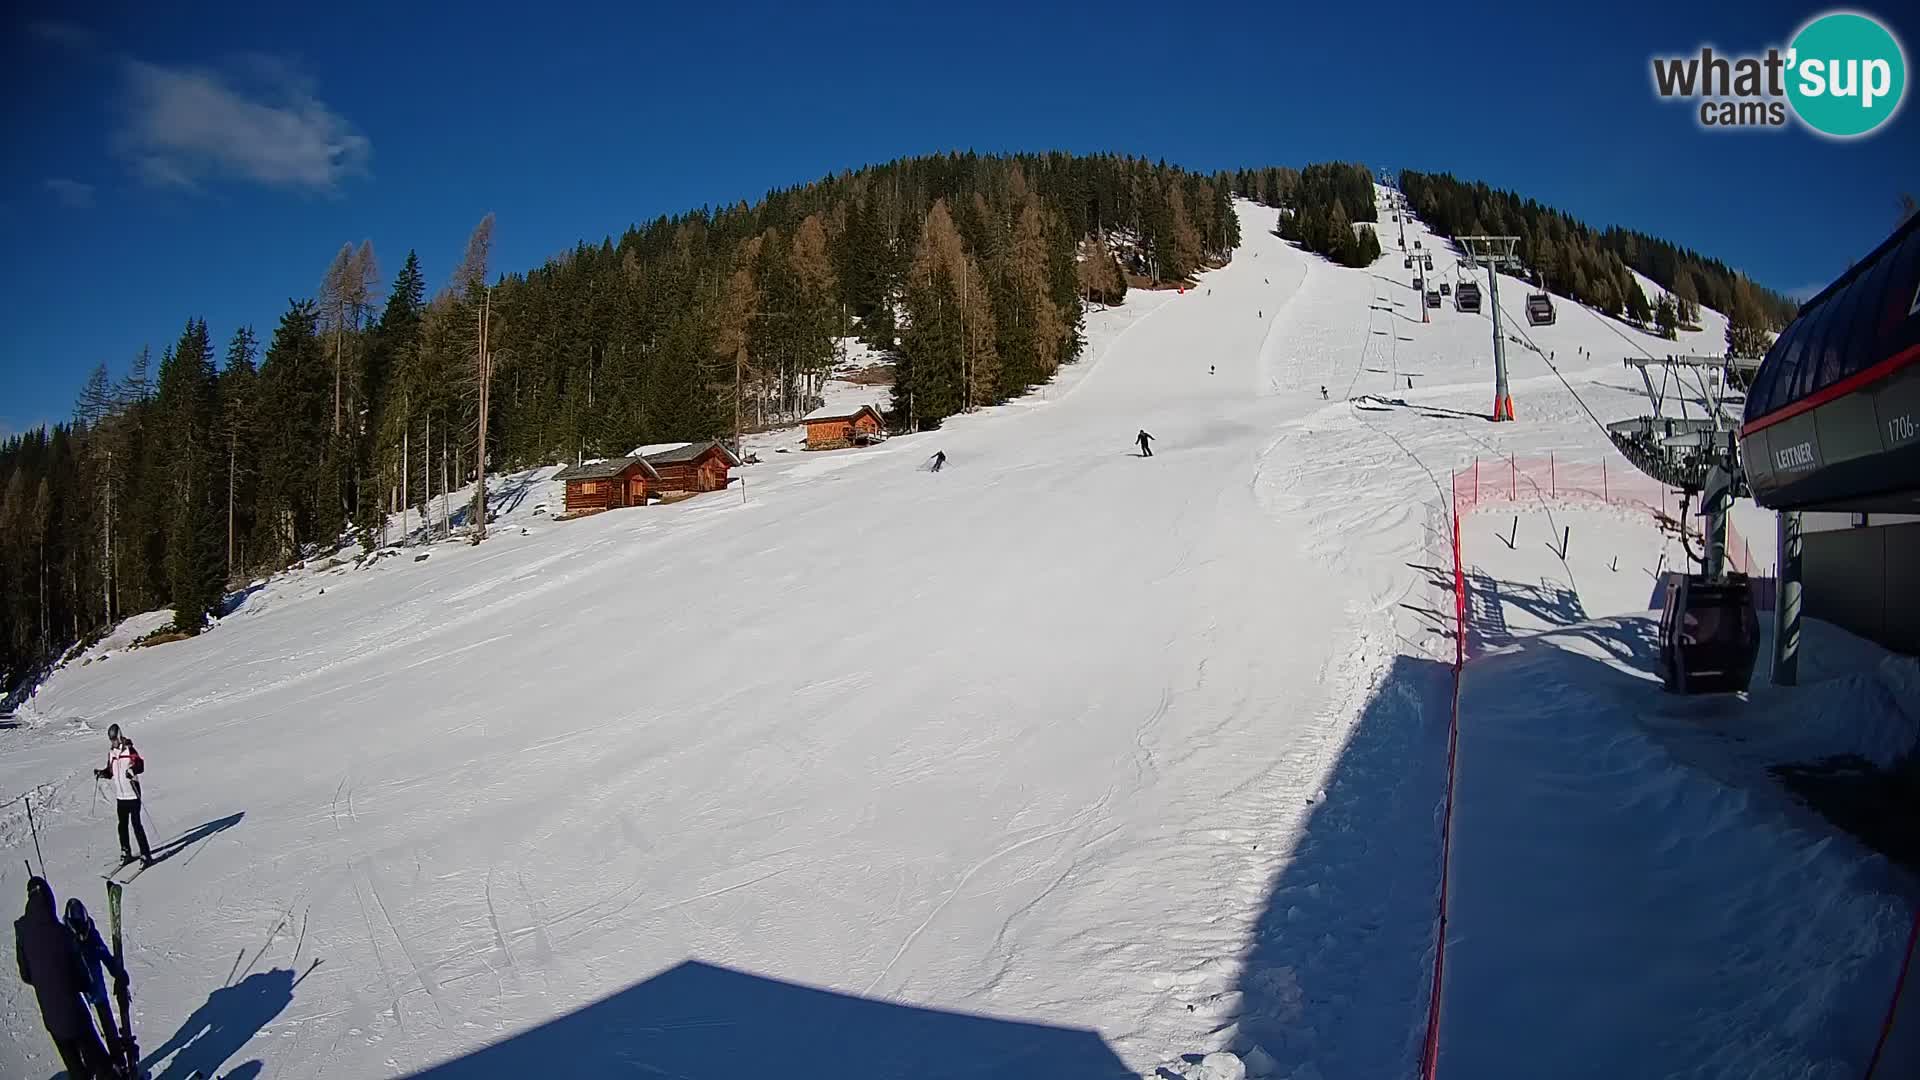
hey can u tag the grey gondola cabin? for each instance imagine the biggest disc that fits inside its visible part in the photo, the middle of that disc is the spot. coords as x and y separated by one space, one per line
608 485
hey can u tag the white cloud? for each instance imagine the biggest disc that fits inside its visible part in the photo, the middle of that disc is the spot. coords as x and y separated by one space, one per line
71 35
71 193
185 125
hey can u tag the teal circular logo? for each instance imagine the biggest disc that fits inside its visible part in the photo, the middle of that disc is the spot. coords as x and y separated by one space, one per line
1846 74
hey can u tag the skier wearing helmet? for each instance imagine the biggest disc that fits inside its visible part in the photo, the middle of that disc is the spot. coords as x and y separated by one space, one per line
123 765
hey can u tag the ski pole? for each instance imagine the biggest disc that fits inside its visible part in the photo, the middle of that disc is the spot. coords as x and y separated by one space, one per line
34 827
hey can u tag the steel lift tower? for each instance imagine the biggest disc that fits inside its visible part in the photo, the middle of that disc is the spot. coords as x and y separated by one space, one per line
1496 252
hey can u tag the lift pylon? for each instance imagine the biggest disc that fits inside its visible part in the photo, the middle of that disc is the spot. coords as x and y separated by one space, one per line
1495 252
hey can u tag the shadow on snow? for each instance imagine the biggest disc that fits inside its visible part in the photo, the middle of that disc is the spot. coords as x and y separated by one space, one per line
194 835
219 1028
1337 973
705 1022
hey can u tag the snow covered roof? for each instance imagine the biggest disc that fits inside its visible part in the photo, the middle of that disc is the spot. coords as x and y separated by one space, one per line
691 452
838 412
600 470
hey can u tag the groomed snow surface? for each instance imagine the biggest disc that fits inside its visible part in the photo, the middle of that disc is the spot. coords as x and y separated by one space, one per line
1633 893
1059 762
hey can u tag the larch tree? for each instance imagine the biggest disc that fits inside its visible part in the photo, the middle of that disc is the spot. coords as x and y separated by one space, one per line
817 286
1747 333
1100 278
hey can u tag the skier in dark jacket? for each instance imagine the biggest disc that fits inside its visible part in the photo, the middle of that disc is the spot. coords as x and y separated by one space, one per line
51 964
939 460
1143 439
98 962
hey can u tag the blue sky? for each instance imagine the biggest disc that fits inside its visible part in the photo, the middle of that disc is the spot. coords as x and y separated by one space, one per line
170 161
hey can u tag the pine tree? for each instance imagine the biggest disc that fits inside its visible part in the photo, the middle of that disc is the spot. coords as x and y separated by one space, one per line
1370 246
1184 237
1665 316
295 384
391 381
1340 243
938 348
1636 301
187 414
1686 300
237 451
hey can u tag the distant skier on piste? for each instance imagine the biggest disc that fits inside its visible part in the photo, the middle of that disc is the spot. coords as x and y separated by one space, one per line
123 765
1144 439
939 460
50 963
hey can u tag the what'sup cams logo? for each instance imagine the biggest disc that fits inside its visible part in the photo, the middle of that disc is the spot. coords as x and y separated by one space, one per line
1843 76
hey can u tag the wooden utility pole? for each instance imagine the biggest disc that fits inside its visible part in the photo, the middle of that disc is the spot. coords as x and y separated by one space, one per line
484 360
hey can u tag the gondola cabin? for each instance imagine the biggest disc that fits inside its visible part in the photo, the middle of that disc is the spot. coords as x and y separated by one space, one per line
830 429
1433 298
608 485
1446 288
1832 433
1429 262
1540 309
1467 296
1709 635
700 466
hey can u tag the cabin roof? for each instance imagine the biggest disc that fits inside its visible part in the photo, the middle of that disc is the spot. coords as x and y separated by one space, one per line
827 412
690 453
602 470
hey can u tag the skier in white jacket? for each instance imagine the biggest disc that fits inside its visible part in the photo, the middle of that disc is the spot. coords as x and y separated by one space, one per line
123 765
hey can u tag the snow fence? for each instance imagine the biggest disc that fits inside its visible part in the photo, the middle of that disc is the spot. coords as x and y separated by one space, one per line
1510 481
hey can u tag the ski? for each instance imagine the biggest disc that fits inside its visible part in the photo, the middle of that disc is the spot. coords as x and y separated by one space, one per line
124 873
128 1049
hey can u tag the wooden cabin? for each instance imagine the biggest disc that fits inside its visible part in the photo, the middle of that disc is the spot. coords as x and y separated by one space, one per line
700 466
606 485
830 430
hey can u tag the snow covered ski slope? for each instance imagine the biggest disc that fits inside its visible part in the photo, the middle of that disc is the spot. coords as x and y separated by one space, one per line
1059 761
1627 862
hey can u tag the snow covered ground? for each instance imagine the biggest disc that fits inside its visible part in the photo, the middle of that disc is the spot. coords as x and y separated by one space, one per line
1633 892
1057 762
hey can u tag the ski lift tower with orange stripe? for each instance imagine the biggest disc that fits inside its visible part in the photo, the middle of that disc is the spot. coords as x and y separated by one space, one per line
1496 252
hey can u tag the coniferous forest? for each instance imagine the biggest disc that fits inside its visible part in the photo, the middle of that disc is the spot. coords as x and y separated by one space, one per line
239 451
1325 208
244 451
1591 265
